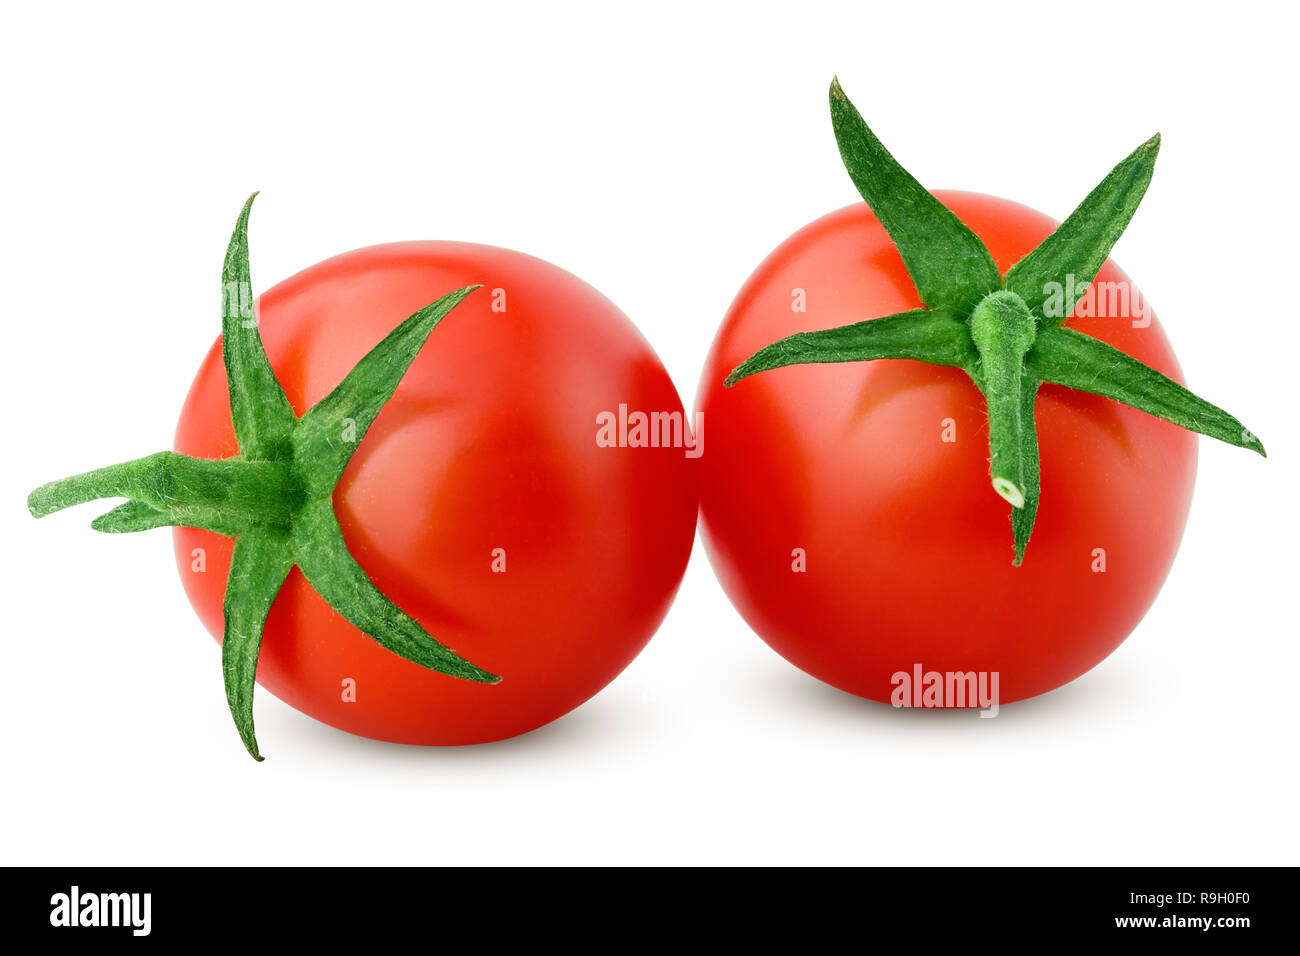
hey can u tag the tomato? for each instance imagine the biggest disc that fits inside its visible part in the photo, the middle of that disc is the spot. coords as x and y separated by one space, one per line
846 507
479 502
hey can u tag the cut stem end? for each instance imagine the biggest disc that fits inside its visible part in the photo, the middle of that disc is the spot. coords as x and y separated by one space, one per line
1010 491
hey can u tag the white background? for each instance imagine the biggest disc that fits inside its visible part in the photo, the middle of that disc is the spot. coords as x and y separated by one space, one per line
659 154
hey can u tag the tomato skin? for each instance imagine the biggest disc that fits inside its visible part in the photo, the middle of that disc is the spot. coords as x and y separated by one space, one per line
908 549
488 443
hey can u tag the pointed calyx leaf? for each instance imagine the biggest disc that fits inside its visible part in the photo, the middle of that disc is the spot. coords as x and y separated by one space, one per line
261 413
997 331
331 430
321 553
1079 246
259 563
949 264
1066 357
276 497
136 516
139 516
933 337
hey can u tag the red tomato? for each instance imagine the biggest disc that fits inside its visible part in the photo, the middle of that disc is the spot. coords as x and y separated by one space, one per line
907 550
487 453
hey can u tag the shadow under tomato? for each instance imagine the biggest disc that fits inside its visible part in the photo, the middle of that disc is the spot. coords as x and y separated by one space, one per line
583 727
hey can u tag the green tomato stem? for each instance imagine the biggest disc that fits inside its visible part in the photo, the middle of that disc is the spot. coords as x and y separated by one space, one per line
1003 331
264 492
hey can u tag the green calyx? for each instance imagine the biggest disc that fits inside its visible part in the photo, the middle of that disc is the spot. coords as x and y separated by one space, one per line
276 497
1005 332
